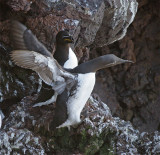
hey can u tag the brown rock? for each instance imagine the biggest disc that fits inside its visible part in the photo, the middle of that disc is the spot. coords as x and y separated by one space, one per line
20 5
138 87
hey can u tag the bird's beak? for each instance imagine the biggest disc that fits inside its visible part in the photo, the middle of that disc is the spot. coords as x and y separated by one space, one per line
68 39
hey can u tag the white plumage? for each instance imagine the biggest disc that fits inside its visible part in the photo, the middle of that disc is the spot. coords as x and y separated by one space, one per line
76 103
72 61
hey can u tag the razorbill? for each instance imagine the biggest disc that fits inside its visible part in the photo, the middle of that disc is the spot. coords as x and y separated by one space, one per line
63 53
73 86
23 39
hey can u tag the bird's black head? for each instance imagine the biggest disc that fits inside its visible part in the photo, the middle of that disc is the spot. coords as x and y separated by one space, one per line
63 37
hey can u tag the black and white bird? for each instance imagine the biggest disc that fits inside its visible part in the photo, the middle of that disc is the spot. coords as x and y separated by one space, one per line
63 53
23 39
73 86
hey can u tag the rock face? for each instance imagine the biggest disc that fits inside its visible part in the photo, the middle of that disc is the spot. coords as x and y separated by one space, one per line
13 83
117 14
45 18
134 94
130 91
20 141
100 133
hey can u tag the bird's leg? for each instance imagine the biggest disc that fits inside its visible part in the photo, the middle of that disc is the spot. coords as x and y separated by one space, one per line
51 100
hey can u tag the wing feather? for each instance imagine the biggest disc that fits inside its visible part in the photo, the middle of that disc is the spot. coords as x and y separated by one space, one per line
46 67
36 62
24 39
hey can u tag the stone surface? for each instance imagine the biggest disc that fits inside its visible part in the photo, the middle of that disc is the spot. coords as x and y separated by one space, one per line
117 14
20 141
84 19
99 133
20 5
137 89
15 81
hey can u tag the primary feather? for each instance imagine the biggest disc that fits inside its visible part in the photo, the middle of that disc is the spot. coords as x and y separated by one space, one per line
24 39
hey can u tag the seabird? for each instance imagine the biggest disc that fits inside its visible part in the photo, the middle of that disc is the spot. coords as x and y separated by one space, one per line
63 53
73 86
23 39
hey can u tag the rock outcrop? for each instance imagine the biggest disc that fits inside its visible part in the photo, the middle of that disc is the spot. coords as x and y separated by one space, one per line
13 84
133 94
100 133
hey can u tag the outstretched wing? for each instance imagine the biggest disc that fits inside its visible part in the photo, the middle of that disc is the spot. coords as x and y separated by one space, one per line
46 67
24 39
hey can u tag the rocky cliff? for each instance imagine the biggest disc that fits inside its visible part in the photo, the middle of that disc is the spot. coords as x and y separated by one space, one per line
130 91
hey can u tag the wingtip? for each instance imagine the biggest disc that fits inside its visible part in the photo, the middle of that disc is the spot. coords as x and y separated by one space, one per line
12 54
22 58
17 30
13 21
17 26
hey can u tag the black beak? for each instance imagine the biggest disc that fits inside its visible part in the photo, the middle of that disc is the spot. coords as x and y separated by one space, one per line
68 39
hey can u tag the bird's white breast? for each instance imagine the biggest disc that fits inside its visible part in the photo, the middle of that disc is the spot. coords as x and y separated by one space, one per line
72 61
83 91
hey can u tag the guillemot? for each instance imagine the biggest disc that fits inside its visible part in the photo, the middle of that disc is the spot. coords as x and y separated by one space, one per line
73 86
24 39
